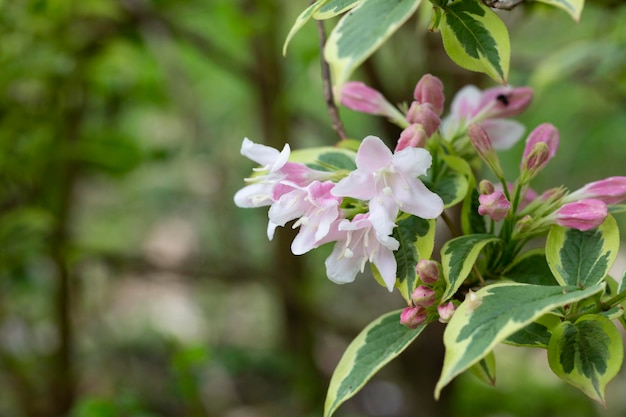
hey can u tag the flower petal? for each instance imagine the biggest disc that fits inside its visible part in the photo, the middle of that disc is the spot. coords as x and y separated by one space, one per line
504 133
373 154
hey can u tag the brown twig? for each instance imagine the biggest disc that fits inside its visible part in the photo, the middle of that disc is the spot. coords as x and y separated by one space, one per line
333 111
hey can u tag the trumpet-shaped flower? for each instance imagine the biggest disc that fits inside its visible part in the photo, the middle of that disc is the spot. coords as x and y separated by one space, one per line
611 190
263 188
314 207
389 182
357 243
582 215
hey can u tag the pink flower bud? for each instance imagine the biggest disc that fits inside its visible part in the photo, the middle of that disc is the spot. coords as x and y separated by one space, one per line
479 138
505 101
534 162
429 90
446 311
609 190
412 317
523 225
494 205
545 133
428 271
423 296
357 96
423 114
582 215
412 137
486 187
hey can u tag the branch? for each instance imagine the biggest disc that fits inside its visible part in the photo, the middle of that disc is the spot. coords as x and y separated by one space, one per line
503 4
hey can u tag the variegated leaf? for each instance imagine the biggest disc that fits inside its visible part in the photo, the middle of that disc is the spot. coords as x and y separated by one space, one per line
573 7
587 354
379 343
361 31
582 258
494 313
301 20
334 8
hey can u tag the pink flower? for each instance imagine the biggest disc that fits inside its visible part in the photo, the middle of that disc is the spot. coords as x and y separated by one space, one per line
389 182
494 205
413 136
357 243
263 188
359 97
412 317
429 90
424 115
488 108
314 207
610 190
545 133
582 215
428 271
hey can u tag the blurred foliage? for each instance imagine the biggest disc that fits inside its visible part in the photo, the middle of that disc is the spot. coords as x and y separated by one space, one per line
129 283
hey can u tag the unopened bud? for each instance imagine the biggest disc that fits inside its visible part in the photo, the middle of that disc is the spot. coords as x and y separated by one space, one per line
479 138
429 90
423 114
494 205
412 317
505 101
357 96
545 133
446 311
523 225
486 187
428 271
609 190
582 215
534 162
423 296
412 137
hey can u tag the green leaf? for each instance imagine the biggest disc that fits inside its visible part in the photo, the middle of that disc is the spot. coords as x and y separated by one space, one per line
417 240
334 8
325 158
379 343
494 313
361 31
485 369
452 188
458 257
531 267
573 7
582 258
301 20
536 334
476 39
586 354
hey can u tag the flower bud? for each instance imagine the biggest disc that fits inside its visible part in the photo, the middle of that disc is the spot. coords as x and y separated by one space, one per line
486 187
494 205
423 296
536 160
482 143
582 215
428 271
523 225
423 114
412 137
412 317
359 97
429 90
446 311
502 102
609 190
545 133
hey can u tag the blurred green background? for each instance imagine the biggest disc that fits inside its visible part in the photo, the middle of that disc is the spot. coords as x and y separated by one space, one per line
130 284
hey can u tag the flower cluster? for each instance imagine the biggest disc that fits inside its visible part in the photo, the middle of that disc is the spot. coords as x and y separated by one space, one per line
357 211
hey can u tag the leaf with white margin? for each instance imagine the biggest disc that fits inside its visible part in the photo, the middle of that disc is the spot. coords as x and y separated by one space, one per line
587 354
334 8
301 20
573 7
361 31
458 256
476 39
380 342
582 258
494 313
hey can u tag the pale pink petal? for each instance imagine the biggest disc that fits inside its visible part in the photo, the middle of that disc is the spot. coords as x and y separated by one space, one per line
373 154
413 162
386 264
340 269
254 195
465 102
358 184
504 133
418 200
